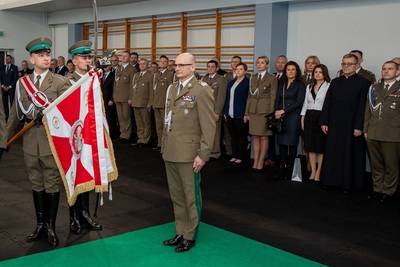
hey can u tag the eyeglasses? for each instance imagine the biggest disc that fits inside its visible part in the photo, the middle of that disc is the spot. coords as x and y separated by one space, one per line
348 64
181 65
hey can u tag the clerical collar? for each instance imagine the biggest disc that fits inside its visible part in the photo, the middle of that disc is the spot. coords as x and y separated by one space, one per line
347 76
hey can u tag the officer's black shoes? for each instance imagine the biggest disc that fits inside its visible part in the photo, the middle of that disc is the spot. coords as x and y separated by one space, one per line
185 245
173 241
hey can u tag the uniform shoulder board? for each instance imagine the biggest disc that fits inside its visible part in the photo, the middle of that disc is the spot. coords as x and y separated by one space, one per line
60 77
369 72
270 74
202 83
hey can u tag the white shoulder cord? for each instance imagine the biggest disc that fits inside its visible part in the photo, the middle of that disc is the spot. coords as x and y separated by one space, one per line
31 108
167 119
255 93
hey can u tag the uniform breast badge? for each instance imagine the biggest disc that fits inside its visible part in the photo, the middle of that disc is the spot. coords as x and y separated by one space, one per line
185 112
393 105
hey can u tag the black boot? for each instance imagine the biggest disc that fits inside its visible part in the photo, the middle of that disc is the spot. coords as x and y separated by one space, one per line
75 225
84 218
38 200
52 200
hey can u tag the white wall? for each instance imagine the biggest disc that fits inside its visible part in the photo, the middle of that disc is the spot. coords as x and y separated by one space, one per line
60 44
20 28
331 29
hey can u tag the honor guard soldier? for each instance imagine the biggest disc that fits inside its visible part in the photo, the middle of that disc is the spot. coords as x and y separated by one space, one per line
187 143
79 213
41 167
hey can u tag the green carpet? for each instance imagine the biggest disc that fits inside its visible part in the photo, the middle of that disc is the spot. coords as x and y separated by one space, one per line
214 247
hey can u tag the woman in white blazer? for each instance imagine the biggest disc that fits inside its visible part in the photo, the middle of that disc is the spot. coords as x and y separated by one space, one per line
314 138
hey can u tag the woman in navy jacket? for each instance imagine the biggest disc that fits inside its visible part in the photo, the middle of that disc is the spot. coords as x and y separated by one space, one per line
288 104
234 109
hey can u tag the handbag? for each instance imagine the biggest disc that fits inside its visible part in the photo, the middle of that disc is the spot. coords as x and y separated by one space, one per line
274 124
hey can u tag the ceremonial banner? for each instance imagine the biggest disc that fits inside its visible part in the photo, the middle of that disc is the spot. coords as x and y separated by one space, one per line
79 138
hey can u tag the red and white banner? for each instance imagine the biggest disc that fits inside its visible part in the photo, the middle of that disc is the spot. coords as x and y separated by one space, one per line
79 138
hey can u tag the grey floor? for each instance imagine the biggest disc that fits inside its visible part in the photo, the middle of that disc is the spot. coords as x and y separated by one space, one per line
326 226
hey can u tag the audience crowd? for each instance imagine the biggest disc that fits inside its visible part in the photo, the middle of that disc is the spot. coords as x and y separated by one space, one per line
341 124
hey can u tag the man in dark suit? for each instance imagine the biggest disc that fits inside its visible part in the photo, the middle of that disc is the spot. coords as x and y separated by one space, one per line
382 132
134 58
109 105
61 68
8 80
25 69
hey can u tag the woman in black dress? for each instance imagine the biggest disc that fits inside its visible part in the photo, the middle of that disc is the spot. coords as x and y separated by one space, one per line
314 138
288 104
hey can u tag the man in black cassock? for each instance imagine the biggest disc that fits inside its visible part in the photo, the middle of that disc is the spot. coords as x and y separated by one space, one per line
342 121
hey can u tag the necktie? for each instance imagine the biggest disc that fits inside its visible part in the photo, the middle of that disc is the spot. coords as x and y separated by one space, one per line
387 87
278 75
259 79
37 83
141 74
7 69
308 76
179 89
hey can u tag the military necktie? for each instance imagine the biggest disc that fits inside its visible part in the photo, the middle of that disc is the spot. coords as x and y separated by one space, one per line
387 87
259 79
179 89
37 83
308 77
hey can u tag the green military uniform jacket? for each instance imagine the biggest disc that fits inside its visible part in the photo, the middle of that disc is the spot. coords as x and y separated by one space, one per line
123 83
190 122
218 85
261 99
141 89
161 81
35 139
382 113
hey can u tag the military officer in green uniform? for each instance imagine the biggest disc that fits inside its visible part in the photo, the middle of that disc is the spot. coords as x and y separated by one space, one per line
41 167
161 80
218 85
139 99
187 143
79 213
382 131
